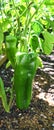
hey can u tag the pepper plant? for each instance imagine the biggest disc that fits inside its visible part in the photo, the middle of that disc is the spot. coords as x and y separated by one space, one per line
27 30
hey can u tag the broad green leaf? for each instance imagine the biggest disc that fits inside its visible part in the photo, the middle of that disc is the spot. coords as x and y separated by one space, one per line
36 27
49 38
48 42
34 42
23 19
6 24
3 95
47 48
22 9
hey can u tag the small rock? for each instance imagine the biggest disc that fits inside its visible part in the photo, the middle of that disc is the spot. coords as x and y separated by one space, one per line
20 114
53 125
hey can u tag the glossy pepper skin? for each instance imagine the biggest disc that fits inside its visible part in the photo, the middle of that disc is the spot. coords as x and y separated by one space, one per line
23 76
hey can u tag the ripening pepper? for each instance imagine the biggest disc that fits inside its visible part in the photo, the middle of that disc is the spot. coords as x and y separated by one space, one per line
25 67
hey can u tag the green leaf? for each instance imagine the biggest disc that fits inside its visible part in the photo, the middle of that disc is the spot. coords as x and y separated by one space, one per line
36 27
52 24
39 62
49 2
6 24
22 9
3 95
48 42
49 38
34 42
8 64
24 0
47 48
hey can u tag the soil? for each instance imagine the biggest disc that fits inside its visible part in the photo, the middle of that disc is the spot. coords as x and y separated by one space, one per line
40 113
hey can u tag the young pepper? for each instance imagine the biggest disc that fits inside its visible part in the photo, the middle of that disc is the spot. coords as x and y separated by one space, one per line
11 48
25 67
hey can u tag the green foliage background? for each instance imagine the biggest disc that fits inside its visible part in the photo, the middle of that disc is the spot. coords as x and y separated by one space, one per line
23 18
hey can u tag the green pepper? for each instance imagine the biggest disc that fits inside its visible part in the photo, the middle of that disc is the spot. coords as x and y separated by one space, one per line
11 48
23 76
